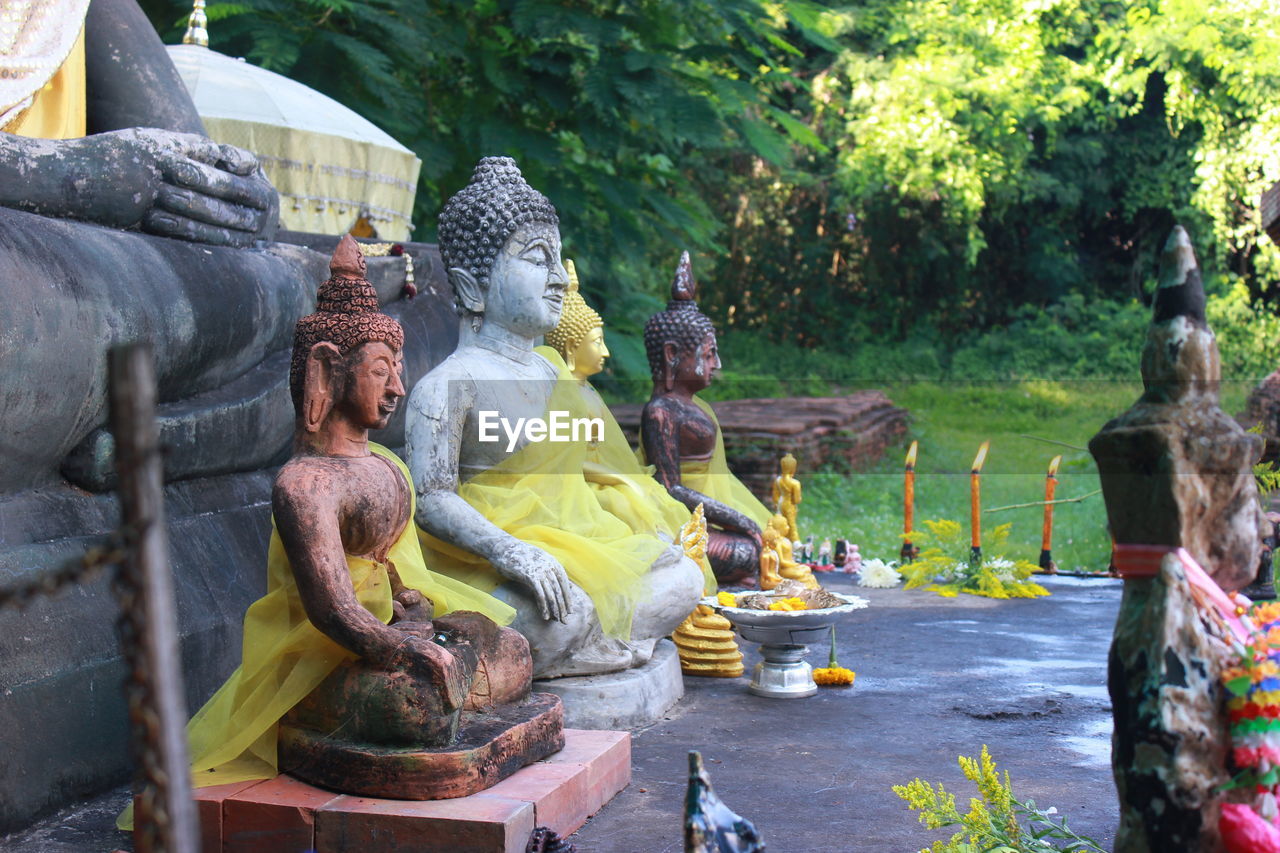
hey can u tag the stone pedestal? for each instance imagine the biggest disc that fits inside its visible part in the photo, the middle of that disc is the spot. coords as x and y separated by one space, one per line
283 814
488 748
621 700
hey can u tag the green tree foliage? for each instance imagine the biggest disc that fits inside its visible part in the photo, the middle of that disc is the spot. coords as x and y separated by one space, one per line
990 154
621 112
926 169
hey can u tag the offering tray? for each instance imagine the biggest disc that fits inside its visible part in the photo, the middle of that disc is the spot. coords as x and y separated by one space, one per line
784 637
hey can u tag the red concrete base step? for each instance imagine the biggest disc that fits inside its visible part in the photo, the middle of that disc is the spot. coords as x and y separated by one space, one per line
284 815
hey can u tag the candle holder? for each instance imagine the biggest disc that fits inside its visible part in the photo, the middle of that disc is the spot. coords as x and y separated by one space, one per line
784 637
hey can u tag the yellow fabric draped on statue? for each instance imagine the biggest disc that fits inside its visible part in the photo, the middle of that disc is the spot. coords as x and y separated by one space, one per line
712 477
233 737
539 495
638 500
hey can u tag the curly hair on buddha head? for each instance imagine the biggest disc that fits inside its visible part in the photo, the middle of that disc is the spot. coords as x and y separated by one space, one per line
346 316
680 323
577 318
479 219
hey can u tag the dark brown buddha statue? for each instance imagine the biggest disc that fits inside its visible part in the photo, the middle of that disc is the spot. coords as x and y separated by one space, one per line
681 438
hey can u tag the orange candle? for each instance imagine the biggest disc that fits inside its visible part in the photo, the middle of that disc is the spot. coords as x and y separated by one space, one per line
1050 484
975 499
909 494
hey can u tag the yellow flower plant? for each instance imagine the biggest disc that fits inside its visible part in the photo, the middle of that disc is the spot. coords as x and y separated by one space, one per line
939 569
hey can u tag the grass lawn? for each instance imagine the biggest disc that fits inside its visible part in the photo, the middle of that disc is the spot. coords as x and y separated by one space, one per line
950 420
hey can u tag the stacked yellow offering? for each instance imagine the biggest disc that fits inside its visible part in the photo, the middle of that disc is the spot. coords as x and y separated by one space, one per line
705 640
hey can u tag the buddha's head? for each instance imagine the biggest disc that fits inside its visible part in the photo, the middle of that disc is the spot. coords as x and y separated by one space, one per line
779 524
347 359
579 336
788 465
500 242
680 340
769 536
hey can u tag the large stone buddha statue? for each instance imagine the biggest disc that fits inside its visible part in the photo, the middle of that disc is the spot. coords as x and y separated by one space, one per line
502 500
681 438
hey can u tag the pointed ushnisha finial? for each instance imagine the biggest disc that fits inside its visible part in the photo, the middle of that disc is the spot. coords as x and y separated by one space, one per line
573 275
348 260
683 287
1180 292
197 33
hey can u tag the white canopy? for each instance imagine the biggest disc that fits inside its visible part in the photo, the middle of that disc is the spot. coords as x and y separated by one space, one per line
329 163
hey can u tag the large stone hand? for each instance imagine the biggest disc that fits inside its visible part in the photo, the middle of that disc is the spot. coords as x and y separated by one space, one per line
178 185
541 573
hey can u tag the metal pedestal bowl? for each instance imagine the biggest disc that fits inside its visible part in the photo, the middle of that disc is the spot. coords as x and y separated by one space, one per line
784 637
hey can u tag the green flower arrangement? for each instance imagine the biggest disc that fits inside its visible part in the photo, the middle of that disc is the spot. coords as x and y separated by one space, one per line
944 565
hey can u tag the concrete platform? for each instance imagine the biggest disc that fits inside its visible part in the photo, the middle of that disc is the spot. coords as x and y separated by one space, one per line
621 700
283 815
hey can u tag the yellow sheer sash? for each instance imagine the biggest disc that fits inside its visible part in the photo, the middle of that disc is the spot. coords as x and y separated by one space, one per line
639 501
284 657
539 495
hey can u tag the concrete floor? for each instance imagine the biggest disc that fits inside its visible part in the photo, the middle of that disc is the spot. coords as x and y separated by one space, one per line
936 678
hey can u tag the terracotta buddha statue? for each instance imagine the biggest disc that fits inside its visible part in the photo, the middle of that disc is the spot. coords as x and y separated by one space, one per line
681 438
351 647
508 509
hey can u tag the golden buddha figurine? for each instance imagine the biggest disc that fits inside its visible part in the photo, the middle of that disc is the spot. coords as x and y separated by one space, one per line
623 486
789 568
770 559
579 336
705 640
786 495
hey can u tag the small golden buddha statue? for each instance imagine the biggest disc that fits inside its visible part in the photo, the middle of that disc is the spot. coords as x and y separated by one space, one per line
579 336
770 559
705 640
789 568
786 495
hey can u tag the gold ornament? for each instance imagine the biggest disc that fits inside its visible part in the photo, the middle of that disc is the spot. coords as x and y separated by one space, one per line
577 319
790 569
705 640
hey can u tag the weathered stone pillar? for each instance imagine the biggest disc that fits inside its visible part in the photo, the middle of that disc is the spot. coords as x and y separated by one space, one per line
1176 472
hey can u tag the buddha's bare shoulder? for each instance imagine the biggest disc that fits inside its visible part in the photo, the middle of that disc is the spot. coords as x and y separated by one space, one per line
327 480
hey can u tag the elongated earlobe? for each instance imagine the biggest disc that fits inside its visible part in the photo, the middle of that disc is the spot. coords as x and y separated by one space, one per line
320 391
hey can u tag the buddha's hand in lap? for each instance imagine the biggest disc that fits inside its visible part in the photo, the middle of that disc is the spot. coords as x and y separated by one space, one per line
541 573
180 185
428 660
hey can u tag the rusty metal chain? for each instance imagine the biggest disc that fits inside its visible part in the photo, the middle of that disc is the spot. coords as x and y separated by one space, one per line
151 818
75 570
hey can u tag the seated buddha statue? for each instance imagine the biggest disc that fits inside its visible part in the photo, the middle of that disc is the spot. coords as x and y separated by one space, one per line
681 438
624 487
502 501
788 568
352 618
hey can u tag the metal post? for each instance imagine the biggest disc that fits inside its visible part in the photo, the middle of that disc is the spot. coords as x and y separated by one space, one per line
164 814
